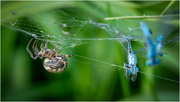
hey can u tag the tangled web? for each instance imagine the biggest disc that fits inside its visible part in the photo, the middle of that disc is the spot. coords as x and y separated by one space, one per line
60 24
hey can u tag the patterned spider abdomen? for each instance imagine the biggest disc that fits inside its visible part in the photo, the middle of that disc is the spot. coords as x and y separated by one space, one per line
56 65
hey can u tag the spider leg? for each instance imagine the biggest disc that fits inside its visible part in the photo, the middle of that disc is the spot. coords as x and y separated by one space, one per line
57 44
58 52
68 55
42 45
46 43
34 48
27 48
37 50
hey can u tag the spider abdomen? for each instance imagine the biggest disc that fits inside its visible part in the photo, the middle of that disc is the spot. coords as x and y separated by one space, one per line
56 65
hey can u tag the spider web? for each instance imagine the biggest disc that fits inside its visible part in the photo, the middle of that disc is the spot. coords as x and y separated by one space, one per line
33 27
59 24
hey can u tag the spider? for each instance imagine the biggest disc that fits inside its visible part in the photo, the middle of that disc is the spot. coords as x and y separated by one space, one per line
54 62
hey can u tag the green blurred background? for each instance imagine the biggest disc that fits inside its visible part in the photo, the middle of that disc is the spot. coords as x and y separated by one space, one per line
23 78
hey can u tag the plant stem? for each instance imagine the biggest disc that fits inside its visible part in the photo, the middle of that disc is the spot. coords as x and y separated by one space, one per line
141 17
168 6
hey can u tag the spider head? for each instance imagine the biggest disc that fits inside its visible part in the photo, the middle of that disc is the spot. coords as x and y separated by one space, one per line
44 52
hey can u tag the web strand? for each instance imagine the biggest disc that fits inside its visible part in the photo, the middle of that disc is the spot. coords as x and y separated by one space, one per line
114 65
